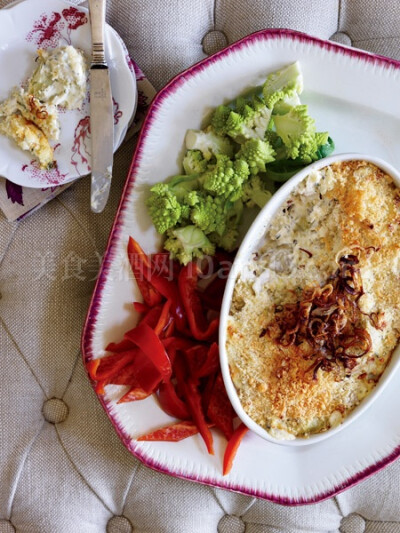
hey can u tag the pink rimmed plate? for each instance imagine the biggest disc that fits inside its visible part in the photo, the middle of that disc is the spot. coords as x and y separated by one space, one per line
28 26
353 95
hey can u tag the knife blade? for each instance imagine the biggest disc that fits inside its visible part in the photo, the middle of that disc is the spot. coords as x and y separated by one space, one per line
101 112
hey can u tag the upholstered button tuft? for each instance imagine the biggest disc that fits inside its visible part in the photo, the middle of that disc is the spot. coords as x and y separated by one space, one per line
353 523
119 524
341 37
6 527
231 524
55 410
214 41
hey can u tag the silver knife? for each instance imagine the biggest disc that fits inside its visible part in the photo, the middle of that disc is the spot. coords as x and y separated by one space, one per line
101 111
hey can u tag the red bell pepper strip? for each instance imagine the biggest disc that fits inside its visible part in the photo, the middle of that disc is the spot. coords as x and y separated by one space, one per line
232 447
175 344
105 367
146 375
211 363
170 401
163 320
147 340
195 358
118 347
134 394
140 307
220 410
172 433
160 284
199 327
151 318
193 401
138 259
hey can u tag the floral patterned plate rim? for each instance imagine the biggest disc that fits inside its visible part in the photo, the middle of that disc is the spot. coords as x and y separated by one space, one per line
349 93
28 26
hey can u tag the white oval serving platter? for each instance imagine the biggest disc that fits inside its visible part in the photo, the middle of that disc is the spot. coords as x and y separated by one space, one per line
353 95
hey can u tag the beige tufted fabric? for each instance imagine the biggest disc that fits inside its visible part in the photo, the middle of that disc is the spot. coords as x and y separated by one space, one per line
62 466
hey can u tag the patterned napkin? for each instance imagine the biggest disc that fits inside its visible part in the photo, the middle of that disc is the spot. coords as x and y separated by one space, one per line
16 202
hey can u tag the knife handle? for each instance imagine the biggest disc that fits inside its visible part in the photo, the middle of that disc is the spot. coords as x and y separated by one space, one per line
97 12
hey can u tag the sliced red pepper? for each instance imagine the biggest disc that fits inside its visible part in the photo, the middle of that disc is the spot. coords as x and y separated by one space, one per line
170 401
148 341
138 261
232 447
118 347
220 410
105 367
175 344
207 391
211 362
199 327
212 296
147 375
163 321
193 401
140 307
134 394
195 358
172 433
151 318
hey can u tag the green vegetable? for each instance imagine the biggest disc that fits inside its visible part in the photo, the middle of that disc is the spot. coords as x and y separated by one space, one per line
209 143
166 202
257 192
252 143
226 177
187 243
283 85
194 162
256 153
246 118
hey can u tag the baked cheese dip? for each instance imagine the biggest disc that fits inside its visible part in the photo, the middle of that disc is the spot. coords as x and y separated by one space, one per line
315 313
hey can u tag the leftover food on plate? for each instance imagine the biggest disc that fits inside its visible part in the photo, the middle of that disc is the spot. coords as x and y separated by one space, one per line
30 115
315 312
60 77
250 146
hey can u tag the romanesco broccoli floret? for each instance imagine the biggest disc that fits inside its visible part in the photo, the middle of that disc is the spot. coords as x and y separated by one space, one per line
257 192
226 177
227 241
219 118
164 208
208 212
295 128
246 118
283 84
188 243
256 153
209 143
194 162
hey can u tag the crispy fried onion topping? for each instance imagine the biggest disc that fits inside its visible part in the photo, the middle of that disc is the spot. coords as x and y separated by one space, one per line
328 318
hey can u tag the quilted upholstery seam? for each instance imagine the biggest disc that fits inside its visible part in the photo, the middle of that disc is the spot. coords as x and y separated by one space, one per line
19 473
85 481
22 355
76 219
128 488
9 243
78 357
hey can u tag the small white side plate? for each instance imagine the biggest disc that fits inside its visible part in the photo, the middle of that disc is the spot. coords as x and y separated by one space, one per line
27 26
